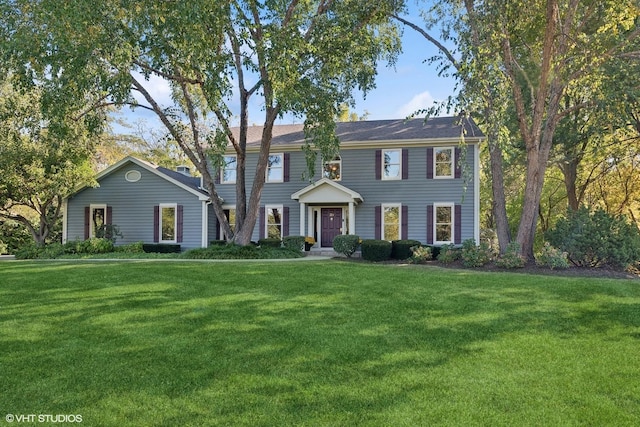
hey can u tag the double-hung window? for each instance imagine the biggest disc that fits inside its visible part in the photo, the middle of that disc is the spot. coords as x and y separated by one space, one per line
275 168
443 162
168 223
391 222
444 223
273 221
229 169
391 164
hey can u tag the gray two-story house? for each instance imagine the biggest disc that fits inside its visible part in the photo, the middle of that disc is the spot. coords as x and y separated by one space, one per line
391 179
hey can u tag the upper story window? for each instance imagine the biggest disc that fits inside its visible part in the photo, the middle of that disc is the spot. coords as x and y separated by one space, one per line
391 164
229 169
443 162
333 169
275 168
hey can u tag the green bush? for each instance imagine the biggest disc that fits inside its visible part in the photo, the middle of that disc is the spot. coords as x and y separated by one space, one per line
511 258
94 245
131 248
552 257
161 248
217 243
420 254
28 251
270 242
595 239
475 255
346 244
448 253
401 249
295 243
241 252
376 250
3 248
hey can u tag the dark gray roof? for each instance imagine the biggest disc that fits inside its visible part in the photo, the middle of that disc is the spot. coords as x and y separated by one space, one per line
190 181
374 130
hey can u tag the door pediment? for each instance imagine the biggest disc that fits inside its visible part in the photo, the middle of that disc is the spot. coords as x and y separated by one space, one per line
327 191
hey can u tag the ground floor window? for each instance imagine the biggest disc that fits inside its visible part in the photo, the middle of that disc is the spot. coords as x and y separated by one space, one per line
168 223
273 222
444 225
98 220
391 222
230 213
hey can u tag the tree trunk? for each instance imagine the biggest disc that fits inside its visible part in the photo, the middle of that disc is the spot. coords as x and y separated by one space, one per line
570 173
499 206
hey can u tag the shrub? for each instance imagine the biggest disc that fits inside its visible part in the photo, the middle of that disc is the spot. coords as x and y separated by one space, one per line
28 251
95 245
295 243
448 253
594 239
241 252
3 248
270 242
511 258
161 248
401 249
376 250
217 243
346 244
475 255
552 257
131 248
420 254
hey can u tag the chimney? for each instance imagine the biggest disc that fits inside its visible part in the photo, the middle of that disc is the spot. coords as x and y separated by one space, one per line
184 170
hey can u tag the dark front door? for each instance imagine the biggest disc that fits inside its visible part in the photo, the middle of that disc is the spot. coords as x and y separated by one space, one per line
330 224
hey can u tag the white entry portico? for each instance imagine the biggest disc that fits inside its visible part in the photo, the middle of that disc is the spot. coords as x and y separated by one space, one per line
321 205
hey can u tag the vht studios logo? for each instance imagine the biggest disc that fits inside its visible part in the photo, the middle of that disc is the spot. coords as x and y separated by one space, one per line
43 418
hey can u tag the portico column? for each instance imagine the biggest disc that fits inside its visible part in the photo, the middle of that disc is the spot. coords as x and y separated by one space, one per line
352 218
303 208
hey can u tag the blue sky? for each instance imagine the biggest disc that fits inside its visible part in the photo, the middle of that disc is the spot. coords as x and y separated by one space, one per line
409 85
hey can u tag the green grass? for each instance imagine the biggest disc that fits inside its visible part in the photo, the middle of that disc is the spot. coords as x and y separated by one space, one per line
315 343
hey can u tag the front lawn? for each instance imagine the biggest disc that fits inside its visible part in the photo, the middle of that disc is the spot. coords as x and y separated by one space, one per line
315 343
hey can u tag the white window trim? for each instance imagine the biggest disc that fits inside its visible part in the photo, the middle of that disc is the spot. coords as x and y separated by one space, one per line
266 172
175 222
224 167
382 223
92 226
221 230
336 159
453 163
280 209
382 163
435 222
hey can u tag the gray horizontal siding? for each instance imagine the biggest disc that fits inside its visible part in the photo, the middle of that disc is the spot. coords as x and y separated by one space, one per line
132 204
358 174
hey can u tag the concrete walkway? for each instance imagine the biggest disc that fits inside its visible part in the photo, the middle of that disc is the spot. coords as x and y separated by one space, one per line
306 258
7 257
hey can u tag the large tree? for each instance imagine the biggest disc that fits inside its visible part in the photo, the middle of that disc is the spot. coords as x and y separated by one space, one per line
542 49
298 57
41 160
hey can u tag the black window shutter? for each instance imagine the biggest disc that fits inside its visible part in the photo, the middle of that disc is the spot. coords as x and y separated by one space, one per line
286 159
405 163
261 223
156 224
458 224
456 165
429 224
87 221
109 219
430 163
285 221
378 222
404 231
179 224
378 165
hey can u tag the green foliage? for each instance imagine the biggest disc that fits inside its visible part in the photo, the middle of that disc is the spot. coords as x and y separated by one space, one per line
270 242
420 254
241 252
3 248
401 249
448 253
552 257
94 245
511 258
131 248
14 235
109 231
475 255
295 243
346 244
376 250
217 243
594 239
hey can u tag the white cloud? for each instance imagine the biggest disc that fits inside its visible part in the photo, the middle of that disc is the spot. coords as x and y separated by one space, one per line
418 102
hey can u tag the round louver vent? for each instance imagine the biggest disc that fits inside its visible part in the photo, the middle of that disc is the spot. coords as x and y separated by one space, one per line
132 176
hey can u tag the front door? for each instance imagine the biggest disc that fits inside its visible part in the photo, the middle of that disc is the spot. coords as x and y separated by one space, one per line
330 225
